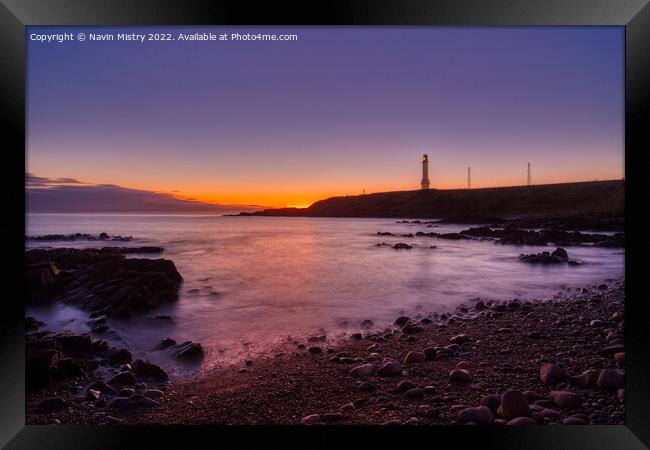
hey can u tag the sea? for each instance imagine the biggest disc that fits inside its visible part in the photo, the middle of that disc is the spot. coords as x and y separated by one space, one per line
252 283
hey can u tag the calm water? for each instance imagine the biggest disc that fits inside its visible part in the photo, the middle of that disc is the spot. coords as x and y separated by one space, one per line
261 279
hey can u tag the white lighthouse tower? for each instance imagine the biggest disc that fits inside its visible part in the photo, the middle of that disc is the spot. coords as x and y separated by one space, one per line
425 172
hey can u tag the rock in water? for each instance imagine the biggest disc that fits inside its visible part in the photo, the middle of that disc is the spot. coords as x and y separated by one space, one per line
558 256
148 370
401 321
119 356
104 279
187 352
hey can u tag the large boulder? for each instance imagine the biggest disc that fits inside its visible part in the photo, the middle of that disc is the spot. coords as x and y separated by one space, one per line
187 352
104 279
558 256
145 369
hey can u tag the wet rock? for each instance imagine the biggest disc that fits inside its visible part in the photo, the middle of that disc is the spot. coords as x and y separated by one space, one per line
610 379
102 387
513 404
165 344
119 356
401 321
621 395
390 368
566 399
362 371
105 278
356 337
92 395
411 328
551 374
480 415
69 368
122 378
460 376
415 357
367 324
74 343
315 350
148 370
402 246
41 277
187 352
163 318
558 256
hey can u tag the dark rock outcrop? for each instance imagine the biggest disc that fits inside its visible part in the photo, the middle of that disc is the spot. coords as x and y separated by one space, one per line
104 280
558 256
187 352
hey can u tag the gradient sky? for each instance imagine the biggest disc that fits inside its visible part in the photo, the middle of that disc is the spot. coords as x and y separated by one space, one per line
341 110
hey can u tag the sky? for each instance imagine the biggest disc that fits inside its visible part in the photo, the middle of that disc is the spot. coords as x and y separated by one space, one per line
336 112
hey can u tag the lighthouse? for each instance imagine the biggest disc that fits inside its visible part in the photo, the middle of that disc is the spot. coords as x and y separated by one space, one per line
425 172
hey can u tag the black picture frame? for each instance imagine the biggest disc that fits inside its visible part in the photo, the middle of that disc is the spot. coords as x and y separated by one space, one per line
15 15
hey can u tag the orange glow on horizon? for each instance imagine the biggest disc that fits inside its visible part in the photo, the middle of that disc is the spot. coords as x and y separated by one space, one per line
296 199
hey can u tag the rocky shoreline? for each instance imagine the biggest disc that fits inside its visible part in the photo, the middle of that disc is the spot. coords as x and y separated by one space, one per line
558 361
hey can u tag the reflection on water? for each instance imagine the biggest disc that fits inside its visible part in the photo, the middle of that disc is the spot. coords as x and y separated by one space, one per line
259 279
